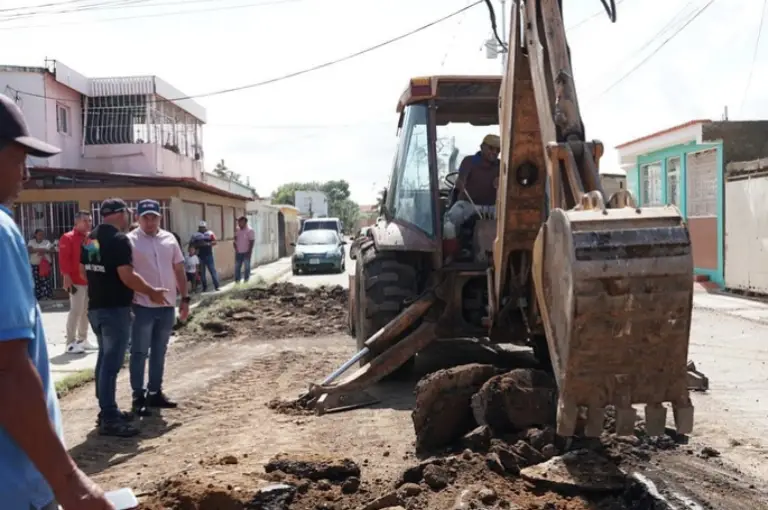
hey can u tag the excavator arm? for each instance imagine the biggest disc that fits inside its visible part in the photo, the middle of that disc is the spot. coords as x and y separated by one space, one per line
612 284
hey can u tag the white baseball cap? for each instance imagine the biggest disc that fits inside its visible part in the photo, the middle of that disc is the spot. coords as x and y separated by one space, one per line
202 224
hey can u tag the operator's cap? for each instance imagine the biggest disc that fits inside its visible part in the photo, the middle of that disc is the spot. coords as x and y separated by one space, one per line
202 224
148 207
113 206
492 141
13 128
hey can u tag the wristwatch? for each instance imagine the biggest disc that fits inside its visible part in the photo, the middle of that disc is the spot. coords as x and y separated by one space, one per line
186 299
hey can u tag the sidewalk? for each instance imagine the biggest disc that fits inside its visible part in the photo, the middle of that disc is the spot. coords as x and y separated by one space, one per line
733 305
55 322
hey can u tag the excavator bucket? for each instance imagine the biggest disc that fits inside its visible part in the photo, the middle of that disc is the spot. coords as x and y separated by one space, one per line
615 293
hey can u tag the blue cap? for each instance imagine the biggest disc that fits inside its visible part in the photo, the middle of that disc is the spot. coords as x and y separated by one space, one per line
148 207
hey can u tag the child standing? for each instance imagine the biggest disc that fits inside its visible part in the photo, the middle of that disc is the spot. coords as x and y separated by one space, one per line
191 262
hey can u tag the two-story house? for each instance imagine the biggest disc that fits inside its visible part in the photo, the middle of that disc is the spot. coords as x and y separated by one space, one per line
132 137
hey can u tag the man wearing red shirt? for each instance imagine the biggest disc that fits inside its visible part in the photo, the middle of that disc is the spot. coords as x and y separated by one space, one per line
74 283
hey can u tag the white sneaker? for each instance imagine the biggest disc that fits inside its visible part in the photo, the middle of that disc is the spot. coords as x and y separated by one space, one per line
75 348
88 346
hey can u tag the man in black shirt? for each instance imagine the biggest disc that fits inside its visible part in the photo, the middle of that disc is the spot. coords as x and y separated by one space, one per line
106 260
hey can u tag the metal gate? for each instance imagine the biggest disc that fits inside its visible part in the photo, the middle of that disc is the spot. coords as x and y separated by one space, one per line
165 211
54 218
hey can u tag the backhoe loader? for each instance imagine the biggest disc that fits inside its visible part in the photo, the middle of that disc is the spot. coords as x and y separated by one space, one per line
598 286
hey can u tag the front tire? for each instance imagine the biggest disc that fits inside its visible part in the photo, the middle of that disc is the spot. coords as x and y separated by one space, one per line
383 284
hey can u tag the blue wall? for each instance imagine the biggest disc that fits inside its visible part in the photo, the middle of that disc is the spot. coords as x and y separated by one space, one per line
681 151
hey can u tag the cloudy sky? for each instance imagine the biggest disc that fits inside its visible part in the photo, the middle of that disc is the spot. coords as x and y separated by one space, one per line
339 122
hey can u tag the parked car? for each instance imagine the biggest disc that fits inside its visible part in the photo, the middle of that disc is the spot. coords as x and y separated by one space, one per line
319 250
322 224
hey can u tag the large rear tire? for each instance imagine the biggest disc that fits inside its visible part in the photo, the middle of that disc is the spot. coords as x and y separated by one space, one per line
383 285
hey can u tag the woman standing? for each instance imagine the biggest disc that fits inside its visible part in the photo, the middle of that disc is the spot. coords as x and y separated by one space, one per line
40 257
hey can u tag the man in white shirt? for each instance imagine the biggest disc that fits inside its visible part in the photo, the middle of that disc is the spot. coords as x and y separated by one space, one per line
245 238
158 259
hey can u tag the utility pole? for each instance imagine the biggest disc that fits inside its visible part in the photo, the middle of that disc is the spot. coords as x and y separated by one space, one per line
503 35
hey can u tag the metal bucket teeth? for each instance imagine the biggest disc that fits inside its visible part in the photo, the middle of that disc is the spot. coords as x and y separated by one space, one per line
615 290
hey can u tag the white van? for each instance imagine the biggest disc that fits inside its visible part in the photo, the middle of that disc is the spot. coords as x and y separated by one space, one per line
322 224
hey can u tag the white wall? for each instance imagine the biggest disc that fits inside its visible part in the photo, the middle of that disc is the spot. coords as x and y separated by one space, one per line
262 218
140 158
317 199
746 234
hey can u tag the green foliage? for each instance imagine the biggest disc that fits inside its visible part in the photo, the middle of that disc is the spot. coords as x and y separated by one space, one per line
337 191
222 170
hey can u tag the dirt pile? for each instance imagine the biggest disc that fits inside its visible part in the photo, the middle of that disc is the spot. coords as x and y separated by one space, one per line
280 310
579 480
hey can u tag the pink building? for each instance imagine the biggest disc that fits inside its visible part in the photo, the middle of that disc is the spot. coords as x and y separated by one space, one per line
135 125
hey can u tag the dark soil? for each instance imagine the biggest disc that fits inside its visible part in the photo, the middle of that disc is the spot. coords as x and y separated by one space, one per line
280 310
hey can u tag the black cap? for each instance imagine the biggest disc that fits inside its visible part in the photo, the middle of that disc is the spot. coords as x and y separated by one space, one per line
112 206
13 128
148 207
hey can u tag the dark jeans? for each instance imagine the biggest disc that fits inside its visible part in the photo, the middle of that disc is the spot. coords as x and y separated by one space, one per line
113 330
152 329
240 260
207 261
50 506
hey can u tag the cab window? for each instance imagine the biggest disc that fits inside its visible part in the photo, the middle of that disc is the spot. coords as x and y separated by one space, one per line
412 200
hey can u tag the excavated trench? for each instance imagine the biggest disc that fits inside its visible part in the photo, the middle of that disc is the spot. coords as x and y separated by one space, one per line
484 435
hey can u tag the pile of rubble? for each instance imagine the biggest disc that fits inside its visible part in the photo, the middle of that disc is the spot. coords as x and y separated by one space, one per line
487 441
280 310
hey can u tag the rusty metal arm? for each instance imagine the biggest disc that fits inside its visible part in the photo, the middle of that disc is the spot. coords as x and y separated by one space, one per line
572 162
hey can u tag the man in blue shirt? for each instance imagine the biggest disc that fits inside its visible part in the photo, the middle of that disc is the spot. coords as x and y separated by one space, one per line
36 472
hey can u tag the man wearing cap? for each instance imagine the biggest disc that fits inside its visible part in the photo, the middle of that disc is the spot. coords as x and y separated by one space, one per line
107 260
476 186
203 241
36 472
158 259
245 238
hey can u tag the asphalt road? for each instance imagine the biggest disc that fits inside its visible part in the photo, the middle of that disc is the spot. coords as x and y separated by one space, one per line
318 279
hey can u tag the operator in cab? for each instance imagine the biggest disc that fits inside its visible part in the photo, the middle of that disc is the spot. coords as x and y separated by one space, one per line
476 186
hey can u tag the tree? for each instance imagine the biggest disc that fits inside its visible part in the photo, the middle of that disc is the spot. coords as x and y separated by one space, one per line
337 191
223 171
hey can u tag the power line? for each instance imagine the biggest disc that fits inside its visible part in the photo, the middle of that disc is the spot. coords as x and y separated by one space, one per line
156 15
303 71
754 56
671 25
449 47
658 48
109 4
595 15
38 6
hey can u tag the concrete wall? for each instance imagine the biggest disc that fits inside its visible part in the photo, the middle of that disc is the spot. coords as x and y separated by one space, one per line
30 89
39 96
742 140
224 252
262 217
71 142
142 159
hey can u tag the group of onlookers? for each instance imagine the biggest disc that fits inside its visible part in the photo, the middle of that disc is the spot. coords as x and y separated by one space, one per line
125 281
